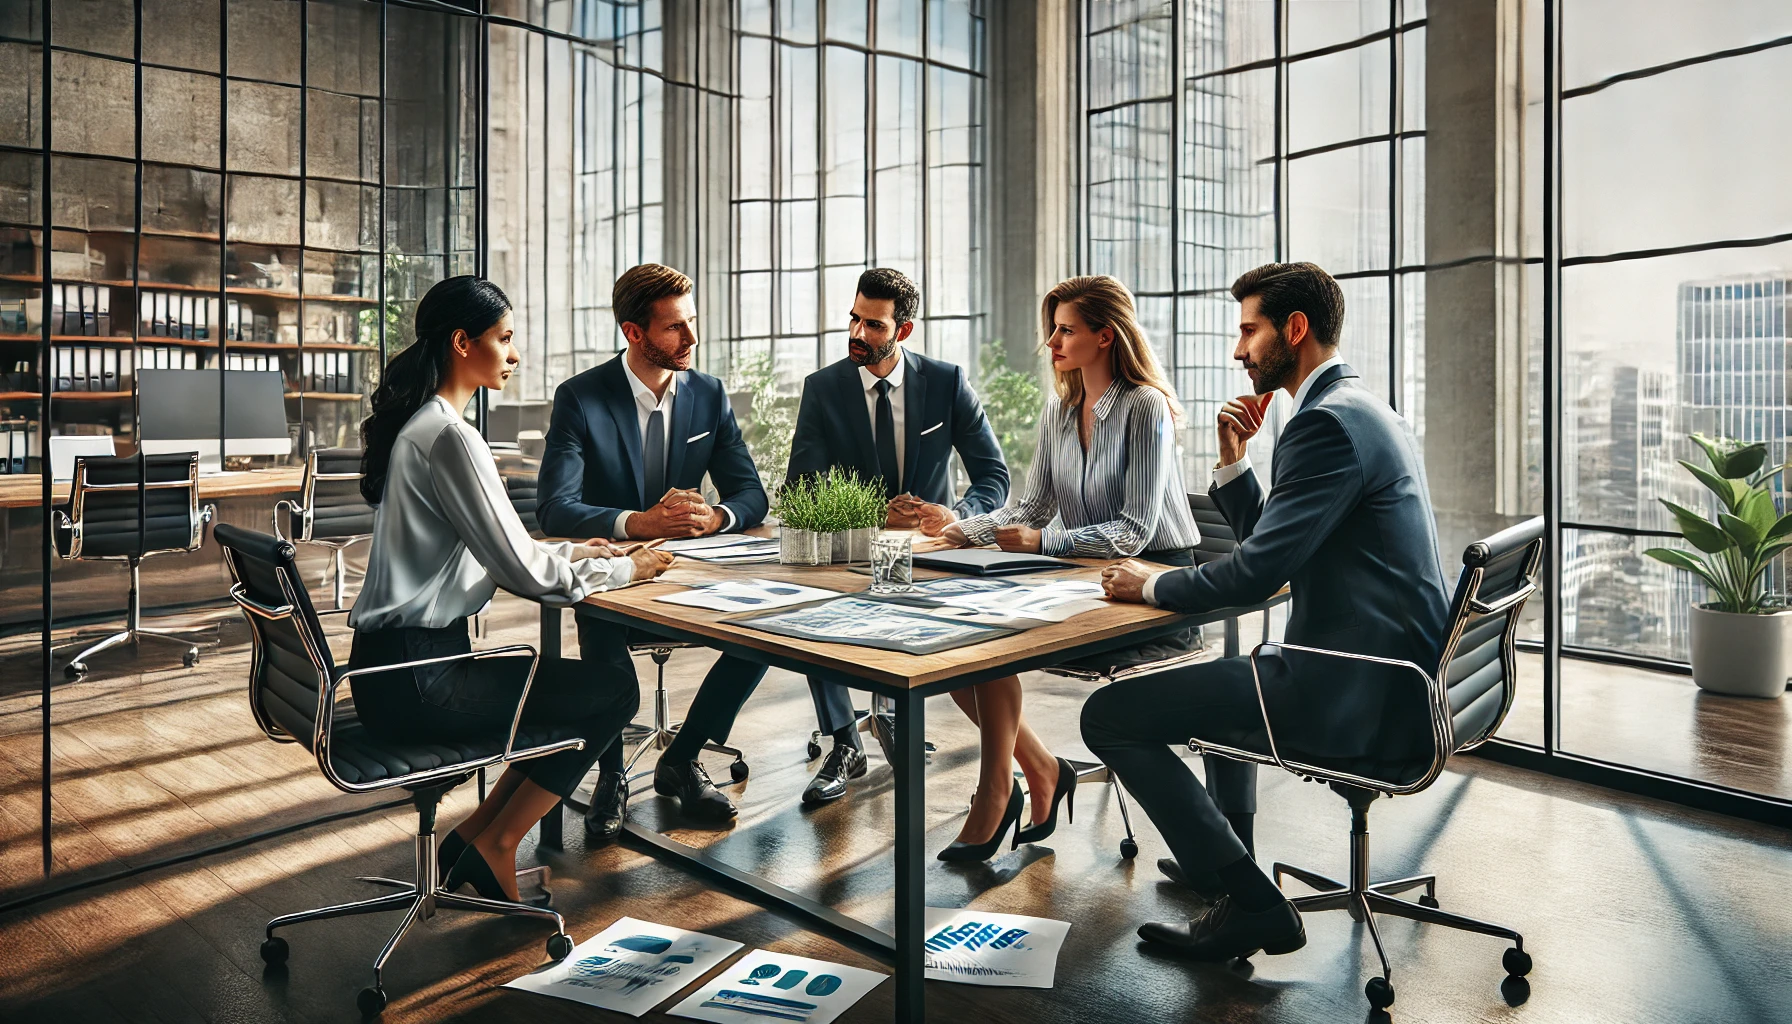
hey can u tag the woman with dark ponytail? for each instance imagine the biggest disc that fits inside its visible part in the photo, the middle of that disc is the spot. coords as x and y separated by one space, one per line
445 538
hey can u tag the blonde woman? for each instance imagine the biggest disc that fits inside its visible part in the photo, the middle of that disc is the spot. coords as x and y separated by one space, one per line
1107 469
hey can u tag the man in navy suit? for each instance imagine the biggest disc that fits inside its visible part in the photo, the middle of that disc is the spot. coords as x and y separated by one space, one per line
1347 524
627 448
897 416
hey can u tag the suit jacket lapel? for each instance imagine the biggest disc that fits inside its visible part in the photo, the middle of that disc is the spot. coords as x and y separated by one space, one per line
621 403
858 415
914 410
683 405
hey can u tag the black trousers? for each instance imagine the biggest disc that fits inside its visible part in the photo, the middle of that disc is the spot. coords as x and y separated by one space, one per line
475 700
1131 725
711 716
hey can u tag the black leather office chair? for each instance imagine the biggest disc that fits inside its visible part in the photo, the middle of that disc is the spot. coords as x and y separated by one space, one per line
1217 541
1465 701
295 691
101 522
519 473
330 511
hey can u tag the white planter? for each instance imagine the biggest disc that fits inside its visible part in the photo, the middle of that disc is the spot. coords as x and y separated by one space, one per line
803 547
1741 655
852 545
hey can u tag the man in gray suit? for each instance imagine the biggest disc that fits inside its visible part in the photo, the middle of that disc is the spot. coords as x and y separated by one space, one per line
1347 524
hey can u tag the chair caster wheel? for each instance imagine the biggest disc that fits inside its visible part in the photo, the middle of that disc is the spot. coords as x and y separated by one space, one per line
1517 962
371 1001
1129 848
1380 993
1428 900
274 951
559 945
190 658
814 750
74 670
738 771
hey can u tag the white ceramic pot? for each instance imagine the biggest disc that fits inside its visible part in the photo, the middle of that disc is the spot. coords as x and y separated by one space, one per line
803 547
1741 655
852 545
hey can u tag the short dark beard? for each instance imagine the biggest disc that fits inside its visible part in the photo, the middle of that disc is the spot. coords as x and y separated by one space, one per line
876 356
658 357
1278 367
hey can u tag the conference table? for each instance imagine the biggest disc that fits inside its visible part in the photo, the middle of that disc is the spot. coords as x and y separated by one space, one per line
907 679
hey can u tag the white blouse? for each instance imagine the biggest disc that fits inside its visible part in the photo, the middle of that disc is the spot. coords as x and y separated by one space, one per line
445 535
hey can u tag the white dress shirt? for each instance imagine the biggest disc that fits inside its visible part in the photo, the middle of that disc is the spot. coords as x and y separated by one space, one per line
1223 475
645 403
446 537
870 380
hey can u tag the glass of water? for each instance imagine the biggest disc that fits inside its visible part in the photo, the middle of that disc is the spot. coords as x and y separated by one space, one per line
892 563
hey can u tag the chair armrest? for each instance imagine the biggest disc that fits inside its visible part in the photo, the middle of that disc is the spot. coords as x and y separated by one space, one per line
328 700
293 509
1437 701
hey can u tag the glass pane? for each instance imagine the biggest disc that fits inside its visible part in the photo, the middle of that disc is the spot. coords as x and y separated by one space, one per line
98 26
796 235
754 128
1338 208
1129 53
951 32
1316 23
1227 192
92 101
264 40
843 138
1129 195
897 242
1224 35
796 20
341 136
1412 81
21 95
181 201
1640 159
843 230
798 159
1412 202
264 128
182 34
899 26
1601 38
1338 97
345 46
180 117
1364 342
846 20
798 297
264 210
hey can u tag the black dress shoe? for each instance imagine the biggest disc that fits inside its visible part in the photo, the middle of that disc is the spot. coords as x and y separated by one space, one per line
609 807
844 762
696 794
470 868
1225 932
1205 884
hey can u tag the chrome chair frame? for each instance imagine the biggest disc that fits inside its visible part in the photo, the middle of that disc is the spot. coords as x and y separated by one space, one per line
1361 897
421 896
660 734
304 510
73 520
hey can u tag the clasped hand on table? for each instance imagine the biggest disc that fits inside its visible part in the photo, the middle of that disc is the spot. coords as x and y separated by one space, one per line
680 513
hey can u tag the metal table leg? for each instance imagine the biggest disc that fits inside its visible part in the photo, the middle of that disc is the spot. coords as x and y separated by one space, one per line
550 632
911 881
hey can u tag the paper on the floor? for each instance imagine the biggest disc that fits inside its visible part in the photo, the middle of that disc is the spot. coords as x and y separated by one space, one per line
976 947
630 967
779 986
746 595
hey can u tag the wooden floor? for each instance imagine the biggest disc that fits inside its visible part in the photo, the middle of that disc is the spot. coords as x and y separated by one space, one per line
1634 911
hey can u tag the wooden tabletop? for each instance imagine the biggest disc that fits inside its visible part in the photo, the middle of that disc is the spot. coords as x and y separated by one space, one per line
894 668
26 490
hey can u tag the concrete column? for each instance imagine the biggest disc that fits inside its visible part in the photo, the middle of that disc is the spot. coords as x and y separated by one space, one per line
1475 373
1032 166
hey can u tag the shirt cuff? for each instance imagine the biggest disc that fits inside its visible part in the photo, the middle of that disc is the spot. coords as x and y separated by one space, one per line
1223 475
1150 594
728 527
978 530
1055 541
600 574
620 530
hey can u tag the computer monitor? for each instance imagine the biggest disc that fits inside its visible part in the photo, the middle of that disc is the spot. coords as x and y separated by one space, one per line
177 411
65 450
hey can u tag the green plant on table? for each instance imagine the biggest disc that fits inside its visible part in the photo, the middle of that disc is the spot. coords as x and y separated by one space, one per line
1747 535
830 503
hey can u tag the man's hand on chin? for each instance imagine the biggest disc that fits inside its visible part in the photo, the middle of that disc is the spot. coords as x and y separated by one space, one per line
1125 581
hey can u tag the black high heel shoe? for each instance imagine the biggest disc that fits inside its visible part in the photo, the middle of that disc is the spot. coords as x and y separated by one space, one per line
470 868
447 853
962 852
1065 790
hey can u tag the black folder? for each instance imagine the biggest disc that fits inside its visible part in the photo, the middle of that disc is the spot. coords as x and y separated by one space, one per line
985 562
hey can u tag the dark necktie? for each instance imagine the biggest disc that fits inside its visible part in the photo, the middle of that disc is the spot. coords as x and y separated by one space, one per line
886 442
653 451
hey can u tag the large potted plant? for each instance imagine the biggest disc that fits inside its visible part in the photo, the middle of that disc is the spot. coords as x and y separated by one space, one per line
1741 642
828 518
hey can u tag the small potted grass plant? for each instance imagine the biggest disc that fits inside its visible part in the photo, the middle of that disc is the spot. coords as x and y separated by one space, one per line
828 518
1742 640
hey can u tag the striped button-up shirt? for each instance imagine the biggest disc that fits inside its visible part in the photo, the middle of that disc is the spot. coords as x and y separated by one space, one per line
1122 497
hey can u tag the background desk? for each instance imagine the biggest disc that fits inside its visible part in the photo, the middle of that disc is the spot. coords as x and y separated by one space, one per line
85 592
907 679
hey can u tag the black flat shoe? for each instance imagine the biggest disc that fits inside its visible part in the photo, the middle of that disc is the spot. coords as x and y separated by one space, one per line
1065 790
696 794
963 852
447 853
609 807
1226 932
1206 884
470 868
843 763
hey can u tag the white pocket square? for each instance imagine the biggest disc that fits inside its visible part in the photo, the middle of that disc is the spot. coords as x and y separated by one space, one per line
699 437
933 428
